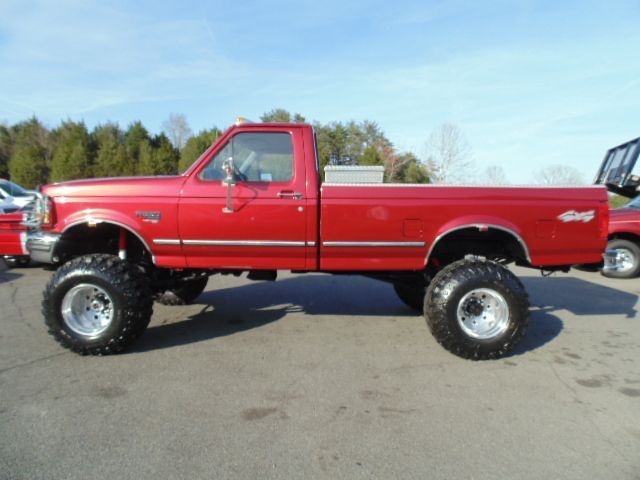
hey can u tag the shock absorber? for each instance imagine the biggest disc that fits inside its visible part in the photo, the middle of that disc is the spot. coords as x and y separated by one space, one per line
122 244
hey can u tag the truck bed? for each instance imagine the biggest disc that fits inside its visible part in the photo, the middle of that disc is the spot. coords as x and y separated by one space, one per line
374 227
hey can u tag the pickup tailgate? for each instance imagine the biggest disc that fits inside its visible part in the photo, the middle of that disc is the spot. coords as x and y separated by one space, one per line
387 226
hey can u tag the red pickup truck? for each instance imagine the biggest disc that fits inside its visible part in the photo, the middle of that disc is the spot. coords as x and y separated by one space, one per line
254 202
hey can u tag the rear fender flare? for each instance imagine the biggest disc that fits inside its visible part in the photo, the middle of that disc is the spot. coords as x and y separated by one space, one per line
481 224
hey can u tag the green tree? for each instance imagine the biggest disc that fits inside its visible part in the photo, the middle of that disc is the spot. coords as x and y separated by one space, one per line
113 159
196 146
6 147
280 115
166 156
415 171
617 201
146 159
28 165
72 156
134 137
30 153
371 156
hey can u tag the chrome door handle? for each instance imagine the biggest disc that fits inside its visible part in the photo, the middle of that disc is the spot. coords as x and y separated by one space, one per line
295 195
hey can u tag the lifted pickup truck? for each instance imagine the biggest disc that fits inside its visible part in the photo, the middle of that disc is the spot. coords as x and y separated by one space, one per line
254 202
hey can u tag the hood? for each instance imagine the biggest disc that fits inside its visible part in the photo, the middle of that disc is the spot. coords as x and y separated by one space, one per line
624 214
166 186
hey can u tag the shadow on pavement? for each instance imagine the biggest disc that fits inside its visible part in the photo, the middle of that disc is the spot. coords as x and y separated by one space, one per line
579 297
8 276
543 328
232 310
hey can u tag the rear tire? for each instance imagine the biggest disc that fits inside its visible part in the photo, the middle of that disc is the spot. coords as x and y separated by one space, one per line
97 304
411 295
477 309
184 293
628 258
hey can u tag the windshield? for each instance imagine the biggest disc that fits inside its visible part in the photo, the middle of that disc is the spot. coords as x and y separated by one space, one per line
13 189
635 203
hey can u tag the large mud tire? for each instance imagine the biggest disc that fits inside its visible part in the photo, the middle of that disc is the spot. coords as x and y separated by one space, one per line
117 290
459 303
184 293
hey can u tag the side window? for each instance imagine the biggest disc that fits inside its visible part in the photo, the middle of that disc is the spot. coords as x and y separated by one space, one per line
257 157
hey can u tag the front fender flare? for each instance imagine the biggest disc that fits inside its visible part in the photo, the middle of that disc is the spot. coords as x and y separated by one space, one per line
95 216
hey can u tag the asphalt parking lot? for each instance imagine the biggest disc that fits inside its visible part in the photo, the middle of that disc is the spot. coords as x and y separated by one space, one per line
317 376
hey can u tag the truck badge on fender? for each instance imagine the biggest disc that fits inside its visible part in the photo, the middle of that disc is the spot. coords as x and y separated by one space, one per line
574 216
153 217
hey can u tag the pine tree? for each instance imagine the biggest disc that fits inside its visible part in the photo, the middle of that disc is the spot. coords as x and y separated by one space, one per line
146 159
196 146
28 166
371 156
30 153
72 157
6 146
113 159
166 156
134 137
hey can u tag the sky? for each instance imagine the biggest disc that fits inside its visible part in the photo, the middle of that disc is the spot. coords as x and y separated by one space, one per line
529 83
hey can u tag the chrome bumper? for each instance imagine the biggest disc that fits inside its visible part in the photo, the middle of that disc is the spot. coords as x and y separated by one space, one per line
610 261
42 246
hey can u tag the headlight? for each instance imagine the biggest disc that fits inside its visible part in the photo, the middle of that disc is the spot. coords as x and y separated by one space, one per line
42 212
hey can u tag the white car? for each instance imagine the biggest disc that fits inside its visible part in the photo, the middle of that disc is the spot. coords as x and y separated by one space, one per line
13 197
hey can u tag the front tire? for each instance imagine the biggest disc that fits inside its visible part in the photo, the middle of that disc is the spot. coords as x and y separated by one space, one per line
97 304
477 309
627 259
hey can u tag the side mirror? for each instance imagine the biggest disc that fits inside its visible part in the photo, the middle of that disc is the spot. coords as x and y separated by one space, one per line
230 182
230 170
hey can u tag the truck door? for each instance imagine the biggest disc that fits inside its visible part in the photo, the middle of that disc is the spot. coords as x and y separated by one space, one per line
263 225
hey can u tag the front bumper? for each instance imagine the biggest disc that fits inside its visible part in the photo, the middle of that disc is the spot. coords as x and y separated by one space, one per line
42 246
611 263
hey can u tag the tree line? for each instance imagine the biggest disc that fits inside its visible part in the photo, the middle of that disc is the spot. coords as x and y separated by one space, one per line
32 154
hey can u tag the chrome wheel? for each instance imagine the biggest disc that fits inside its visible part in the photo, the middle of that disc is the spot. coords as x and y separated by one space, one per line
87 310
625 260
483 314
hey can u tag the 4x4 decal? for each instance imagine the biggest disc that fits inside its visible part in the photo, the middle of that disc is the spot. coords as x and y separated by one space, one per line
575 216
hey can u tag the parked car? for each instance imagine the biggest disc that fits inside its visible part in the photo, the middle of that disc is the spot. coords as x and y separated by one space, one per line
618 175
13 235
14 194
8 206
624 239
